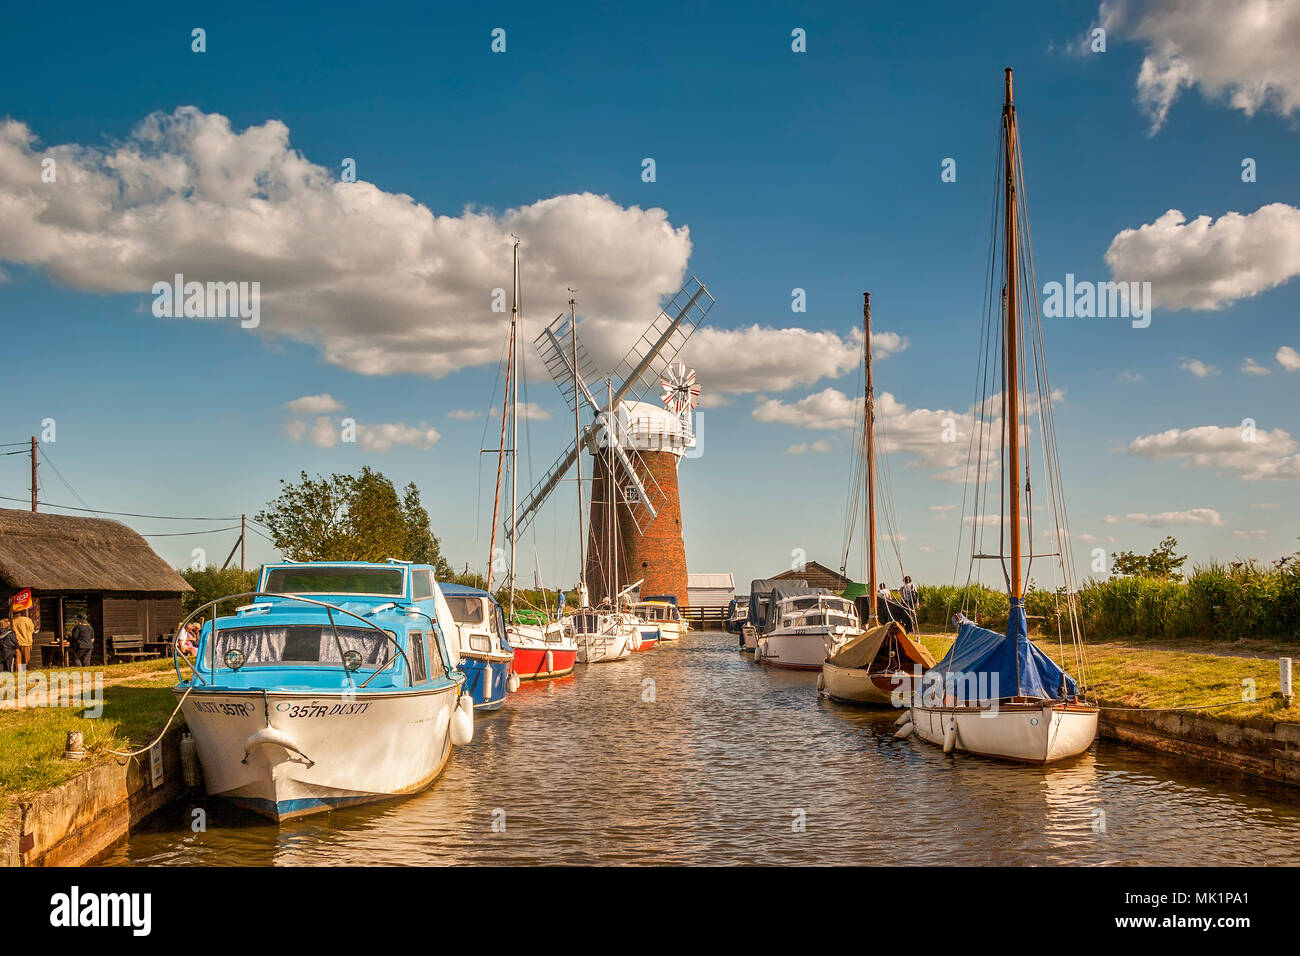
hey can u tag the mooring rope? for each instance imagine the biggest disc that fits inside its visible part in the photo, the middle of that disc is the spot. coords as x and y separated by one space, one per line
153 743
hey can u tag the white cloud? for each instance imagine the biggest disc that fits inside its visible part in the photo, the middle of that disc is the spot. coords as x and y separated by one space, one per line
1251 367
1208 263
1244 51
529 410
926 549
760 358
1256 535
938 438
384 437
803 448
378 282
1288 358
1088 538
1165 519
315 404
941 508
1265 506
1131 376
1249 453
464 414
326 432
1198 368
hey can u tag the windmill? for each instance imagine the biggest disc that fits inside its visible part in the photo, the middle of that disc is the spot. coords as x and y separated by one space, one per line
635 526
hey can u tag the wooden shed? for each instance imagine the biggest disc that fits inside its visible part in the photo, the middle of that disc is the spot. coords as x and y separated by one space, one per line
93 566
817 576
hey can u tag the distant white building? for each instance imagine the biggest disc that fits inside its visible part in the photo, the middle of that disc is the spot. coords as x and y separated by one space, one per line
710 590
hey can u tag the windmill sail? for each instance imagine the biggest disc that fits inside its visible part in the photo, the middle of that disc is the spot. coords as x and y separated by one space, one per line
641 370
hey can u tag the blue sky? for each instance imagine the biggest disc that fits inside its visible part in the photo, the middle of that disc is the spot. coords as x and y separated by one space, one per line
817 170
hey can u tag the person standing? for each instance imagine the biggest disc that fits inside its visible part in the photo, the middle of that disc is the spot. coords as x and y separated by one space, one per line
8 646
83 642
909 592
24 629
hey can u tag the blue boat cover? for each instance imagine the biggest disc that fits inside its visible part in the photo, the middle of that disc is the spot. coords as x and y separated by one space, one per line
1012 658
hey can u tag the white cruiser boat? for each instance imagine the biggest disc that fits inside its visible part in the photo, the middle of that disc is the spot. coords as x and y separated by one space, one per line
805 625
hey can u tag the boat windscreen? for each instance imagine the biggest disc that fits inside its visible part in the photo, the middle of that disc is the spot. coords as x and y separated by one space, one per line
329 579
300 644
466 609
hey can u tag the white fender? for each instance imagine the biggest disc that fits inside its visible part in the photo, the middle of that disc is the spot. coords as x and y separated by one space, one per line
950 734
513 683
550 662
462 721
821 682
904 717
905 731
272 737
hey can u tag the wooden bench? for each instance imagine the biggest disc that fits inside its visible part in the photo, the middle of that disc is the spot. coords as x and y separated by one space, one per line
128 647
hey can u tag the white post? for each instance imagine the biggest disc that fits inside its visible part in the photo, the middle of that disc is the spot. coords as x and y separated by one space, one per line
1284 666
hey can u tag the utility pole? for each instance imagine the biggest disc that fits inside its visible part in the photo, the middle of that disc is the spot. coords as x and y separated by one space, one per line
33 474
243 530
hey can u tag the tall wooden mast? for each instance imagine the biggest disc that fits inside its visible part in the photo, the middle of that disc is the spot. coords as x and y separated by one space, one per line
869 436
577 440
1011 392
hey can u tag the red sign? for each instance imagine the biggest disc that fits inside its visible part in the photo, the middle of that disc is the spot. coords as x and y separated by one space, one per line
22 600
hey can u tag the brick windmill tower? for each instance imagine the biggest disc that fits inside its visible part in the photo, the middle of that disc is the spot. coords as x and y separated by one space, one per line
636 447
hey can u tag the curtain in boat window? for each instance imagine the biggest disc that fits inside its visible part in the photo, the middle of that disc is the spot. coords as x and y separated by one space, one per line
301 644
369 643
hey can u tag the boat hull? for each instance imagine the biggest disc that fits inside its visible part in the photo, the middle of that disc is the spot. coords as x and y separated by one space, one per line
750 634
603 648
1025 733
649 637
545 663
487 679
289 755
854 685
801 652
671 630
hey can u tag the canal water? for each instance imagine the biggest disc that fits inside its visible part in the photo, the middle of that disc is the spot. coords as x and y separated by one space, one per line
692 754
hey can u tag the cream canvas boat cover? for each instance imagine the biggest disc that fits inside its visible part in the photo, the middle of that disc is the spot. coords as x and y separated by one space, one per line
872 647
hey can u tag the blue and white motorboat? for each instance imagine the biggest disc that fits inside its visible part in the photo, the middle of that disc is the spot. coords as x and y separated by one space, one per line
486 657
336 685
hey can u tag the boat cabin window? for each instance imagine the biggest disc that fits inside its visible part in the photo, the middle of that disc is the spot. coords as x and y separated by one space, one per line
415 653
421 585
301 644
465 609
588 623
327 579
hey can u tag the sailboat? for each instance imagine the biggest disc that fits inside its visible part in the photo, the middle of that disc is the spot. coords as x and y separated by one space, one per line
875 666
995 694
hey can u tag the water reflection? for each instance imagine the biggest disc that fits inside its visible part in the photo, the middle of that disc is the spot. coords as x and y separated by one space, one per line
692 754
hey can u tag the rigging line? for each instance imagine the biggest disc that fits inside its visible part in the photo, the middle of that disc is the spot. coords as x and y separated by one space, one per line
121 514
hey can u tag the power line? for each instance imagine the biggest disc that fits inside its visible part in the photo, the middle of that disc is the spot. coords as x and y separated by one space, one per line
177 534
125 514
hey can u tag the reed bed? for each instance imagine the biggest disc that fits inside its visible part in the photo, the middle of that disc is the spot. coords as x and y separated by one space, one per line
1215 602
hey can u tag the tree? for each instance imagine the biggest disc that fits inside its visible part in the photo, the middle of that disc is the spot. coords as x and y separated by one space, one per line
421 546
212 582
1162 562
352 518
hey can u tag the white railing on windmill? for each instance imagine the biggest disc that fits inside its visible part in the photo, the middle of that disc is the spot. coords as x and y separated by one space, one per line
646 366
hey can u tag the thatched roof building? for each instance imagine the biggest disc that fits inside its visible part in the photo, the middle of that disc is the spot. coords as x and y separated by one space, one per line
90 566
817 576
60 553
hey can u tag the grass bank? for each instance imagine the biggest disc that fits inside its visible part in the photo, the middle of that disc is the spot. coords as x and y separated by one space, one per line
137 702
1130 675
1216 602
